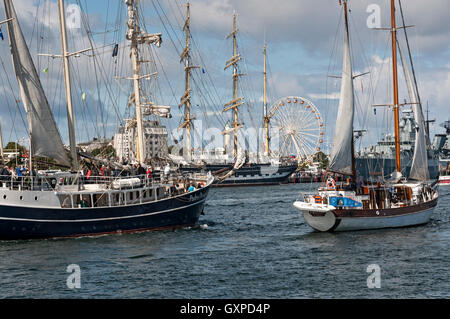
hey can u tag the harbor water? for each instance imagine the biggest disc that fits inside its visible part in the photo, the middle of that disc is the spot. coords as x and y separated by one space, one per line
251 243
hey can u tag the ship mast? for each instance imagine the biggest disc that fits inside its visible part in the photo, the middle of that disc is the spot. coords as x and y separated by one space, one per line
137 36
395 84
353 138
266 115
186 98
65 58
133 30
237 101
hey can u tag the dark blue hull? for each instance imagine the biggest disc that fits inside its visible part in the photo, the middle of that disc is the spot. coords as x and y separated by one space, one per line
35 223
250 175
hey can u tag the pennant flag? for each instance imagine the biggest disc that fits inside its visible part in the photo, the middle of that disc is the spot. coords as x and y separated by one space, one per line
203 70
375 111
45 70
1 34
83 96
116 50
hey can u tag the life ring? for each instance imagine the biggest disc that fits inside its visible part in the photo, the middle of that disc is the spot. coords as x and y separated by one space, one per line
331 183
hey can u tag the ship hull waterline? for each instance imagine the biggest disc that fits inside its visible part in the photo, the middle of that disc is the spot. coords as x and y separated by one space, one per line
351 220
18 222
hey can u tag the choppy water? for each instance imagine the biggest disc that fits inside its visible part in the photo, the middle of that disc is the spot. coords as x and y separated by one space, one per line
252 243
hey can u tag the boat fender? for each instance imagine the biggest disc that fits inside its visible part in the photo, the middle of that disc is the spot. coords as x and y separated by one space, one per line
318 199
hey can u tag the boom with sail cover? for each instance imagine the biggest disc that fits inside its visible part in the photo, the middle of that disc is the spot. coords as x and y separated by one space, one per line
45 137
342 151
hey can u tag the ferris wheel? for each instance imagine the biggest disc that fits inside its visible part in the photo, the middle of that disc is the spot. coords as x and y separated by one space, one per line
299 127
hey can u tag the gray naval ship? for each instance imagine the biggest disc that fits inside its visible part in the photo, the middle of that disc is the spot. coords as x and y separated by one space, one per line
441 143
379 160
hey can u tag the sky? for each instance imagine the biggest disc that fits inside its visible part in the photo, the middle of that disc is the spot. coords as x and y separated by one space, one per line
304 44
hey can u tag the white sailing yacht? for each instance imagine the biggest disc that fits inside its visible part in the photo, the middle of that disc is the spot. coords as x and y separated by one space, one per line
360 205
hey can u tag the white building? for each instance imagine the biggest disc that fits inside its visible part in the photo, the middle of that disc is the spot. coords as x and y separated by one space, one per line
155 140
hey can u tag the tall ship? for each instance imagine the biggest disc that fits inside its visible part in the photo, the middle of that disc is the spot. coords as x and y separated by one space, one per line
69 203
233 164
362 203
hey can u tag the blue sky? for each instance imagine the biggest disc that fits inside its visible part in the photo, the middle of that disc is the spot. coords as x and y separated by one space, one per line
304 42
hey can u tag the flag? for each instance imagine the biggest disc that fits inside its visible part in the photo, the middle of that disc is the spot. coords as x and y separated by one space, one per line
83 96
115 50
1 34
45 70
375 111
203 70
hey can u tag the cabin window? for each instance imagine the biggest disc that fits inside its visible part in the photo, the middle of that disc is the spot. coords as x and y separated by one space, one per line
65 201
118 199
100 200
84 201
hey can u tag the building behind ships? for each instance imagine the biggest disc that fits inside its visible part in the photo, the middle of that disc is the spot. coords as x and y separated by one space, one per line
155 140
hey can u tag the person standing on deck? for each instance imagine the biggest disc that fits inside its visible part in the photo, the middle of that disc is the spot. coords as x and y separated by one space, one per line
167 171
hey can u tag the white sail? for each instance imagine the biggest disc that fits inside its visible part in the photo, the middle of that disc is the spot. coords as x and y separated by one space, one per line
419 166
342 151
45 138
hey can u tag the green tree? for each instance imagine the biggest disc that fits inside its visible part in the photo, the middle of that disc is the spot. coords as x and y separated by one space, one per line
106 151
322 159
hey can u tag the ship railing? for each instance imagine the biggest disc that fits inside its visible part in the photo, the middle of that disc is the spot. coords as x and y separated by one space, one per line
74 182
13 182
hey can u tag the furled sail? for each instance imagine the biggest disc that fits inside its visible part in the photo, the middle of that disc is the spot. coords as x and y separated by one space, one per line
342 150
45 138
419 166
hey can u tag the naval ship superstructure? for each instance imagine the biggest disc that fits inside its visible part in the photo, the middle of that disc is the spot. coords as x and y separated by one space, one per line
441 143
379 160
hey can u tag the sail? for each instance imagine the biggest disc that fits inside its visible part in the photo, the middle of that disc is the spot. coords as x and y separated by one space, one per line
419 166
45 138
341 156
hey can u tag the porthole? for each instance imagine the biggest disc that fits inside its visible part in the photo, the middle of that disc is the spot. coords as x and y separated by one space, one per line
21 197
35 198
4 196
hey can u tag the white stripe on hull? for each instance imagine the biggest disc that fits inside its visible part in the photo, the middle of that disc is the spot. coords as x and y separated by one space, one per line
360 223
328 221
